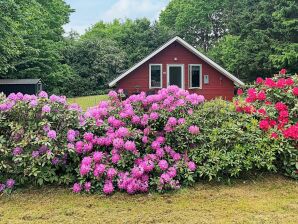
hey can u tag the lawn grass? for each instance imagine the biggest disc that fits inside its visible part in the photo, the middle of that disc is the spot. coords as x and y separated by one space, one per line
270 199
88 101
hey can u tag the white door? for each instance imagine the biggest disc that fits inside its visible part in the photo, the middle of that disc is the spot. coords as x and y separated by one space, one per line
175 75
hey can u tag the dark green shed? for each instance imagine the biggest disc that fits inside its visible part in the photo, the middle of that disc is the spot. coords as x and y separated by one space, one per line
29 86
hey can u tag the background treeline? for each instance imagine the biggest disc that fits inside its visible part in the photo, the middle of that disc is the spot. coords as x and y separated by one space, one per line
248 37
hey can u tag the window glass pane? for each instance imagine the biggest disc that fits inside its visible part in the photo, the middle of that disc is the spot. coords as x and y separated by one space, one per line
155 76
195 76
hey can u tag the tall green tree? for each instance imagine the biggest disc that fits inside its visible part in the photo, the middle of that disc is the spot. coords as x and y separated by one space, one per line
137 37
95 62
263 37
200 22
34 39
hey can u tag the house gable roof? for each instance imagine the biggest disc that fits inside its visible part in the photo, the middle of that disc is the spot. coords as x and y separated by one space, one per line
190 48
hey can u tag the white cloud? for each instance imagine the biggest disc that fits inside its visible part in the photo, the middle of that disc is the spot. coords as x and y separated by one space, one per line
134 9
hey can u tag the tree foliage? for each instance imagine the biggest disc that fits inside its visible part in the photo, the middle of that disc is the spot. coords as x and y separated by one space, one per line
262 38
137 38
95 62
200 22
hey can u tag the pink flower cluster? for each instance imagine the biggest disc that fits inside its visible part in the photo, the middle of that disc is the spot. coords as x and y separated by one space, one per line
129 147
9 184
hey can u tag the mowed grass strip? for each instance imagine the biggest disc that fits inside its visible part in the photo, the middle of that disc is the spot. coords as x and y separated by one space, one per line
88 101
272 199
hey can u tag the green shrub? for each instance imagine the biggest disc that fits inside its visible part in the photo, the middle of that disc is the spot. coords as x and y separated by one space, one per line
229 143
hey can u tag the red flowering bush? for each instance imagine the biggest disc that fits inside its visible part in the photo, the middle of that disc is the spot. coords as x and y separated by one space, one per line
128 145
274 101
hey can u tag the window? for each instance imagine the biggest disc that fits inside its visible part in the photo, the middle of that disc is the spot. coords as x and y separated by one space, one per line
155 76
195 76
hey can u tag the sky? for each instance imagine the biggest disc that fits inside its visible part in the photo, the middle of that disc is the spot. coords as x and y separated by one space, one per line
88 12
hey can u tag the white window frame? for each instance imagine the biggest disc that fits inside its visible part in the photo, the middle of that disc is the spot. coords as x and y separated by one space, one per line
155 87
182 74
190 77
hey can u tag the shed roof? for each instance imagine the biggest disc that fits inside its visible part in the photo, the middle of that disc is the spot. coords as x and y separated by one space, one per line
19 81
187 46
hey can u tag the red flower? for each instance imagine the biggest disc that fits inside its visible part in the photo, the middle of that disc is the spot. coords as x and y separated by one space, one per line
284 113
281 83
268 103
264 125
262 95
249 109
269 82
274 135
262 111
272 123
295 91
239 92
283 71
259 80
280 106
289 82
249 100
291 132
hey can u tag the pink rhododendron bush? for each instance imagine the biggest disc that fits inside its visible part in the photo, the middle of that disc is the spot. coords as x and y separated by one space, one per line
274 102
33 144
129 146
118 145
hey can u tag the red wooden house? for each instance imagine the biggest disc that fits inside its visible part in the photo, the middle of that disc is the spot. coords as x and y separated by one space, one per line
178 63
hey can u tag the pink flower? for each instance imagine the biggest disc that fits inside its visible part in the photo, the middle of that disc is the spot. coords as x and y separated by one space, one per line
111 173
10 183
97 156
122 132
172 121
164 178
88 136
76 188
79 146
118 143
71 135
84 169
17 151
145 139
163 164
87 186
154 116
181 121
99 169
194 130
87 160
46 108
108 187
172 172
137 171
130 146
52 134
116 158
113 94
43 94
191 166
